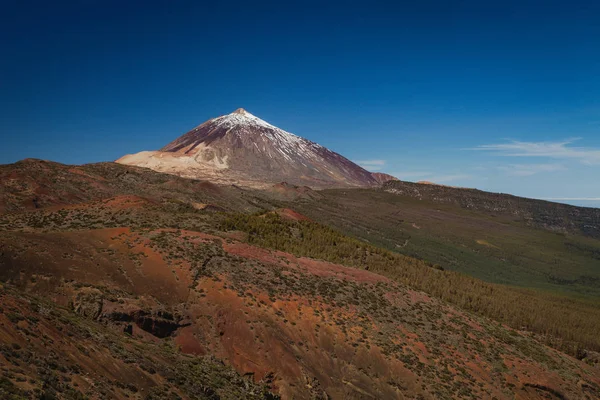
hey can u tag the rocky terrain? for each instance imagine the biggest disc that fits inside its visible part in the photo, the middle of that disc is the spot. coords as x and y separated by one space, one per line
192 290
242 149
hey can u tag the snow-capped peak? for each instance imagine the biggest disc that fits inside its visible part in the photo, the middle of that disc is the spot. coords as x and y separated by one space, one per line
241 111
283 140
238 141
242 117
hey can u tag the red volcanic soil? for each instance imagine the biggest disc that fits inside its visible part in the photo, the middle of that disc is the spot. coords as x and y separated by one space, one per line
47 337
304 264
308 327
290 214
48 352
116 203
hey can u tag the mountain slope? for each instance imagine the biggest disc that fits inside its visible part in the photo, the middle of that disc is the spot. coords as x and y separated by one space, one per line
31 184
243 149
300 327
491 237
548 215
145 278
51 352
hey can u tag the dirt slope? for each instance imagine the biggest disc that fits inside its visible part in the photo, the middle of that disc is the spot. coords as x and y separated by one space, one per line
305 328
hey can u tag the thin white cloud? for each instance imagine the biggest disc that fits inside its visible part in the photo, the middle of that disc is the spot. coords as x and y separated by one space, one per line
530 169
371 165
557 150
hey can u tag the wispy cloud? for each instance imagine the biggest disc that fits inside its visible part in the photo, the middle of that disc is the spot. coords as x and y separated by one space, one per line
530 169
371 165
557 150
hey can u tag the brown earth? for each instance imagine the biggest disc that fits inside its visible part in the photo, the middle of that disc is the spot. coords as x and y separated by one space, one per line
381 178
310 328
115 294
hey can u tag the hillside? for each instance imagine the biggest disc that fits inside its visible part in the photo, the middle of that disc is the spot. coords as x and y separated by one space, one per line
496 247
539 213
296 309
32 184
50 352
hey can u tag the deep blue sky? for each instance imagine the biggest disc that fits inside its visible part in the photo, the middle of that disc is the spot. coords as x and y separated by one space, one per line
410 88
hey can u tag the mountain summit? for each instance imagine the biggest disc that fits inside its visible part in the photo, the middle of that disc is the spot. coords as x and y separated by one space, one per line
243 149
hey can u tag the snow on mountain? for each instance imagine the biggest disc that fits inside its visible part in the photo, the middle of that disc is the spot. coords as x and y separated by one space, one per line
243 149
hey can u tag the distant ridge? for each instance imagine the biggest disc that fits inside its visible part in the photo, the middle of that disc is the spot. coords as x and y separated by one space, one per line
381 177
541 213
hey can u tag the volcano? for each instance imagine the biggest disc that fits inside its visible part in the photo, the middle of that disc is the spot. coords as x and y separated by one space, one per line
242 149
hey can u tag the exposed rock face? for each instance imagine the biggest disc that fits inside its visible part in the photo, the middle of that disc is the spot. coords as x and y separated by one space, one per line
159 324
91 303
243 149
88 303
